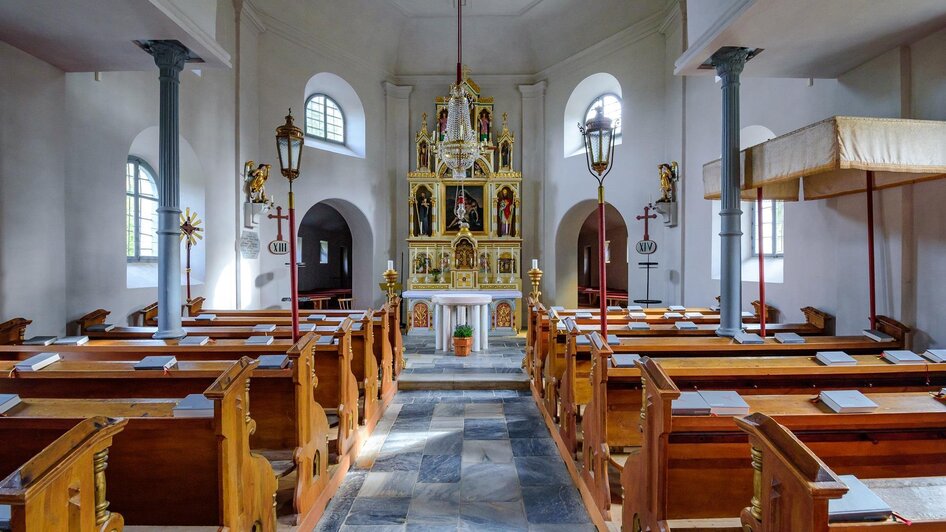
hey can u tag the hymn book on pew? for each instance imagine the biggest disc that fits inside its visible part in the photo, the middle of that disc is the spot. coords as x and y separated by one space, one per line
748 338
307 327
935 355
835 358
557 308
746 314
8 401
156 363
100 327
614 308
72 340
37 362
878 336
672 315
583 315
789 338
315 317
264 327
40 340
685 325
357 326
206 317
638 326
706 402
194 340
637 315
273 362
624 361
692 315
258 340
901 356
858 504
676 308
634 308
325 340
357 317
847 401
194 405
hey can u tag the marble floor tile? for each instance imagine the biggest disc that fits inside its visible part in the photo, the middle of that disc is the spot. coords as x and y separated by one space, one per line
484 410
489 483
533 447
388 484
446 441
553 505
479 516
378 511
398 461
542 471
439 468
487 451
484 429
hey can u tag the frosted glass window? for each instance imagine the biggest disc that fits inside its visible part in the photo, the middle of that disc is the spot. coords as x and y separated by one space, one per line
141 212
773 228
612 109
324 119
323 252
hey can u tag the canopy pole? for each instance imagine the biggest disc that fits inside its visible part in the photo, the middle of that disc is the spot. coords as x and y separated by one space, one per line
762 313
870 248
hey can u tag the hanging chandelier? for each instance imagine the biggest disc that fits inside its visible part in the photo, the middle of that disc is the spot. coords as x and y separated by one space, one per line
459 149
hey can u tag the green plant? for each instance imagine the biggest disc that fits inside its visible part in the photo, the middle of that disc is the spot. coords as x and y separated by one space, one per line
463 331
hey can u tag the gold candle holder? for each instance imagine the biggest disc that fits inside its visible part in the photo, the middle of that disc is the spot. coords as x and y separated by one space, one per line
535 275
390 277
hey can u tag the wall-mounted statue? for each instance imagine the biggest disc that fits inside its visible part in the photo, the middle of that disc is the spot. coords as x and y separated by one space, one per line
505 213
254 182
669 175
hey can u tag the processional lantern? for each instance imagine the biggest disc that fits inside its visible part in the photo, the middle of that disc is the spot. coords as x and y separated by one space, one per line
289 142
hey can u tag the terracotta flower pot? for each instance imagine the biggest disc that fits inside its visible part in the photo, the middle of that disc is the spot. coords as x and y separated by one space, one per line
462 346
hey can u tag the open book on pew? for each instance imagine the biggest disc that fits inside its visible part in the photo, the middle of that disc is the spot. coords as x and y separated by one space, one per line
835 358
194 340
706 402
748 338
624 361
315 317
273 362
935 355
8 401
72 340
847 401
878 336
156 363
685 325
901 356
789 338
37 362
194 405
638 326
40 340
858 504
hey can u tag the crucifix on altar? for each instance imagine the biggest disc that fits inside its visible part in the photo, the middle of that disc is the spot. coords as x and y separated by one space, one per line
647 247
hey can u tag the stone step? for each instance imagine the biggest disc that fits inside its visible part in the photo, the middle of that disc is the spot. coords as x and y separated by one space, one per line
463 381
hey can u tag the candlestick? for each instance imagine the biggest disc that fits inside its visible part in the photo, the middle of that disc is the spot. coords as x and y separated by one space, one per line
535 264
390 264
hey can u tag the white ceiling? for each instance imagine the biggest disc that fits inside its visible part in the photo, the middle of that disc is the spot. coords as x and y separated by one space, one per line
473 8
98 35
813 38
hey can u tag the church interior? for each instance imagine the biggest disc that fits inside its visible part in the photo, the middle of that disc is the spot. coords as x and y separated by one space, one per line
439 265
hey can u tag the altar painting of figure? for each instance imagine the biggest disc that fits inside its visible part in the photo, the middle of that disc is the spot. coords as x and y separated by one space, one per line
422 212
422 263
483 125
473 198
505 213
484 263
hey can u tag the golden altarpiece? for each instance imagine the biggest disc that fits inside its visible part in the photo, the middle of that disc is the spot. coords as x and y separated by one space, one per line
446 257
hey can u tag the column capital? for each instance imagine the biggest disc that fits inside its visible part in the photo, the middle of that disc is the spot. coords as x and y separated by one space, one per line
729 61
168 54
397 91
531 91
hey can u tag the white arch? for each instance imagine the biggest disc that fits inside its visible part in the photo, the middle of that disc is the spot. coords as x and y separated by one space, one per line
577 106
145 147
354 111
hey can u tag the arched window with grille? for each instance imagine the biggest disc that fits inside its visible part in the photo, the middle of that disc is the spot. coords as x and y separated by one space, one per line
141 208
324 119
611 103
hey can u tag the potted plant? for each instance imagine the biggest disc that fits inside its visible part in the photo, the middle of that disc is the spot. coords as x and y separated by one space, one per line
463 340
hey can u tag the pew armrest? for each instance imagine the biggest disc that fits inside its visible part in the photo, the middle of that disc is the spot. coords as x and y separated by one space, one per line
96 317
819 319
146 316
194 306
13 331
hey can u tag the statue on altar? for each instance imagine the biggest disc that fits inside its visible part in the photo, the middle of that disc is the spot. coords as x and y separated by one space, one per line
442 123
484 121
422 213
504 156
505 211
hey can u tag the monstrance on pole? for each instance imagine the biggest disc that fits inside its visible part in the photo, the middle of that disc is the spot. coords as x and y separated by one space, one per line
191 232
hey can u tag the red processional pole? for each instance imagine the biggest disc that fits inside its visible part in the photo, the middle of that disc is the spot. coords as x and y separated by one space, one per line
761 264
602 269
293 267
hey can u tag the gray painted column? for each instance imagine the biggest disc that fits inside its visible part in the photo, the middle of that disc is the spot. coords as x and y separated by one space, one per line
170 58
729 64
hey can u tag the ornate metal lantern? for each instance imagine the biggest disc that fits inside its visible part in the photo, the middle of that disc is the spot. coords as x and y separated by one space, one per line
598 133
289 141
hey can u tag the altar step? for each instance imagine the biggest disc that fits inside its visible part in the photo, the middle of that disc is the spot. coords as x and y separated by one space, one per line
463 381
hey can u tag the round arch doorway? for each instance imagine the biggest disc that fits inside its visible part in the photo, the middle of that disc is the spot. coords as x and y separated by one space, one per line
326 244
615 257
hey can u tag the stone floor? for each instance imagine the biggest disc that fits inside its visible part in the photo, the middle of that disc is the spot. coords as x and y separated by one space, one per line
500 366
459 459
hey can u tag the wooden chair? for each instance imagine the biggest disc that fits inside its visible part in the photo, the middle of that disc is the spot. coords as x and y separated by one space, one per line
344 303
57 482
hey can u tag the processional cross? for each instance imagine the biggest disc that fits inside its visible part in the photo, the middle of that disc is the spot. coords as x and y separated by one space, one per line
279 217
647 217
190 231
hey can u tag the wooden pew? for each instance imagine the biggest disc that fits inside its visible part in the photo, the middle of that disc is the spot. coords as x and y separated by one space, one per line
138 332
292 428
166 470
792 487
13 331
904 436
57 484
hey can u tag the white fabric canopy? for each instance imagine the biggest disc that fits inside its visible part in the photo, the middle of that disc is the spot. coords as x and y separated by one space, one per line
832 157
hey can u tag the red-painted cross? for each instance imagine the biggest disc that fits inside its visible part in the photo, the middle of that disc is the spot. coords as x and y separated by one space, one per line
279 217
646 217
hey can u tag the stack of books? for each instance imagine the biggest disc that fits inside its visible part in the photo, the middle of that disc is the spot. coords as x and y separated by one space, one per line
37 362
194 340
901 356
156 362
748 338
878 336
273 361
259 340
835 358
624 361
935 355
194 405
858 504
685 325
8 401
789 338
72 340
705 402
847 401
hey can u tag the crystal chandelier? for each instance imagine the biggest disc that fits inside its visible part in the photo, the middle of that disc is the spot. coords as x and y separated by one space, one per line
459 149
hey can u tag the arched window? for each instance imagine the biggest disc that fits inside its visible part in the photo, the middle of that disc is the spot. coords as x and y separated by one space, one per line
612 109
141 207
324 119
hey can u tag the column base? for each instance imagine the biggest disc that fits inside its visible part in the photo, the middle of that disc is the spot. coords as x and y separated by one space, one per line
729 333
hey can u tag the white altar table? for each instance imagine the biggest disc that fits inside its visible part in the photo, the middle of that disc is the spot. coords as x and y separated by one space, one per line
455 309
